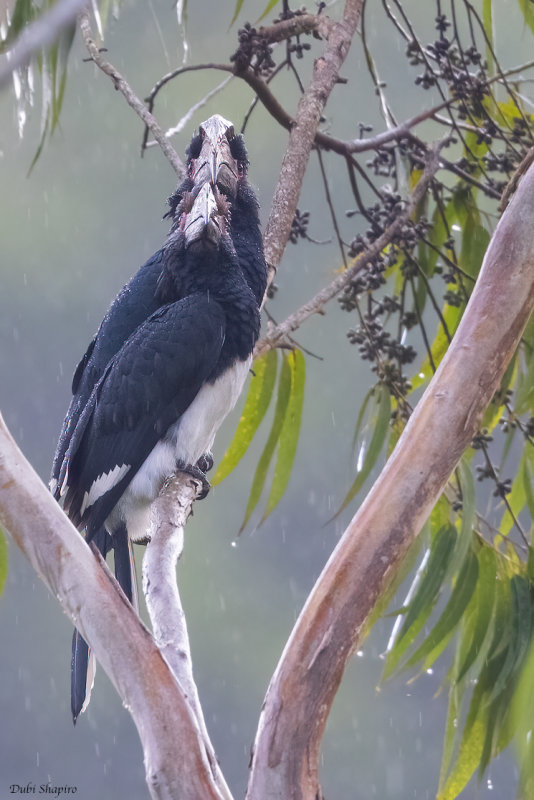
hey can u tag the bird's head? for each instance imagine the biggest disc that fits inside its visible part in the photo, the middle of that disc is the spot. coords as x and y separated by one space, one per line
217 156
203 216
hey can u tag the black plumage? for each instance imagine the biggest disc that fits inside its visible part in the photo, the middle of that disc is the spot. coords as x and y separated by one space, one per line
167 362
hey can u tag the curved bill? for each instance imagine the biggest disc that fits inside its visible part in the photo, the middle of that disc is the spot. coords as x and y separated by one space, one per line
215 163
203 222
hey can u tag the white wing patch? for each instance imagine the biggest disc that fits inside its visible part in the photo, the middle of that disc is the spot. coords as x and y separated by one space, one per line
103 484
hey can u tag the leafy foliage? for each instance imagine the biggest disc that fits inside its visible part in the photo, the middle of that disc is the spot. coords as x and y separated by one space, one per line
49 64
284 433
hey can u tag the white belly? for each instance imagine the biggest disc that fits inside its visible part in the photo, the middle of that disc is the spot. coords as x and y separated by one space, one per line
185 441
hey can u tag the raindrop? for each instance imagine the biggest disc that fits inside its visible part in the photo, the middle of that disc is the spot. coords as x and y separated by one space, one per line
37 759
360 653
489 784
233 543
430 671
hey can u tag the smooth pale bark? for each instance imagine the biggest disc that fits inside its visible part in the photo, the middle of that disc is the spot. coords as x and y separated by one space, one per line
175 758
367 558
169 514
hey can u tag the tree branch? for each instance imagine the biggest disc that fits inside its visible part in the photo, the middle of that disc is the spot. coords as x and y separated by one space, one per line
302 134
277 334
371 550
175 759
129 95
169 514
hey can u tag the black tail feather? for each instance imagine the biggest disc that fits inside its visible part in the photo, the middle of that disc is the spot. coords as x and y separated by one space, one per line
79 665
123 567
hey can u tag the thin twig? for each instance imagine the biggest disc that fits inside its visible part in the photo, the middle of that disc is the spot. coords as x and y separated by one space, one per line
129 95
317 303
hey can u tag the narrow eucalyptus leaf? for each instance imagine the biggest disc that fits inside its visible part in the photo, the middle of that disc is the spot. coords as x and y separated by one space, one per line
289 434
451 616
258 482
425 597
258 400
380 419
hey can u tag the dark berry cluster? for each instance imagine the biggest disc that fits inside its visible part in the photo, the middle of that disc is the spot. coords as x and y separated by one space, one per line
299 226
254 51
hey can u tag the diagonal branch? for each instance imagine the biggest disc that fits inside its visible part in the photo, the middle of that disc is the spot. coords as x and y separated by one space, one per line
175 757
129 95
302 134
367 558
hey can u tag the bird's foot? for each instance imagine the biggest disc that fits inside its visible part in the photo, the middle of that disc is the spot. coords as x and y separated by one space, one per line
205 462
196 473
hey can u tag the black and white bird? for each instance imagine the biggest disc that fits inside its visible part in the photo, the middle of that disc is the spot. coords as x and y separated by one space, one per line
166 365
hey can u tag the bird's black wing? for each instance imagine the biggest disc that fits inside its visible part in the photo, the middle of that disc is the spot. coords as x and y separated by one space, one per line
145 389
247 241
132 306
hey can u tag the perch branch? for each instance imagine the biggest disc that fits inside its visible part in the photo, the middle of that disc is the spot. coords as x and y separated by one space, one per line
129 95
368 556
169 514
175 758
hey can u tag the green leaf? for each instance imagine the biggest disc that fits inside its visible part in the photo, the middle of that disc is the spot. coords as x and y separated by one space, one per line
467 485
487 21
23 14
282 400
452 316
451 731
475 240
269 7
257 402
474 735
237 9
361 417
471 749
527 9
527 475
478 634
63 48
425 597
516 500
520 625
289 434
525 390
451 616
3 560
380 424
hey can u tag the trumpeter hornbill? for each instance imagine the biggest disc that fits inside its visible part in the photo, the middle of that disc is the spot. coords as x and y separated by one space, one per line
166 365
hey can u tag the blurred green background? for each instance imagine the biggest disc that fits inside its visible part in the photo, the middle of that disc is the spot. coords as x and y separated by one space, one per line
71 234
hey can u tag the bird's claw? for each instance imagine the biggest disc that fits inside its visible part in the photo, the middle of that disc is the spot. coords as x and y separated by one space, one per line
196 473
205 462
